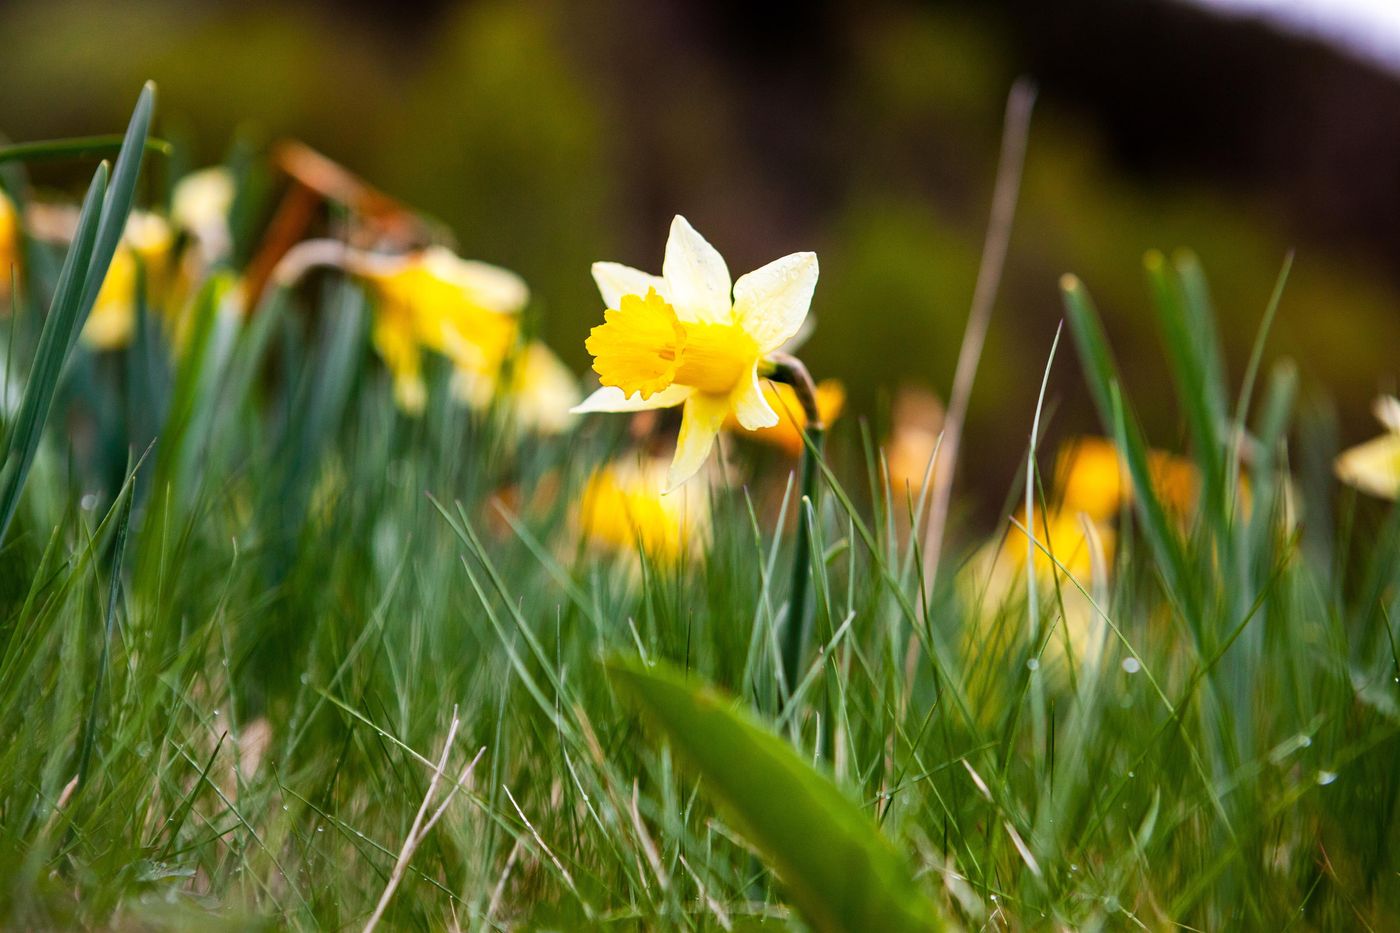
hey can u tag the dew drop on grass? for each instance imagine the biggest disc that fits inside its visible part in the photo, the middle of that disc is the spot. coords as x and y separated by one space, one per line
1131 665
1304 741
88 501
1033 664
1326 777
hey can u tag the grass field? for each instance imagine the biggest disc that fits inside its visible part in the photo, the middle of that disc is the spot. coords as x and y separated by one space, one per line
290 637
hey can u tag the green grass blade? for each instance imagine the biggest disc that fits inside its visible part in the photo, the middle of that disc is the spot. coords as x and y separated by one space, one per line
61 327
1104 385
1189 373
841 873
125 173
79 147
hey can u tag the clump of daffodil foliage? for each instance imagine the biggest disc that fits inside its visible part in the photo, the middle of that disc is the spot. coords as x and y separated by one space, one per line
322 607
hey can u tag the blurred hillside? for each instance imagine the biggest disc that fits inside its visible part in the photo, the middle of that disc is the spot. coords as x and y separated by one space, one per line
549 134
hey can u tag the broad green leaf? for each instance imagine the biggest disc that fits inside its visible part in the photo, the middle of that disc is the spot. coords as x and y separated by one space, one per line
840 871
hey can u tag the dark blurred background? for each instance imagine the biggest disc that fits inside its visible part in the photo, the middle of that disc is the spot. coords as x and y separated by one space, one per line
549 134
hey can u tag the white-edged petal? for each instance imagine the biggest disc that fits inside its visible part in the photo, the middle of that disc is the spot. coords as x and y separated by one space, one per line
697 280
611 398
700 424
615 280
751 407
771 303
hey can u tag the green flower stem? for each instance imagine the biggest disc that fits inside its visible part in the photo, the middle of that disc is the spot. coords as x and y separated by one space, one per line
797 633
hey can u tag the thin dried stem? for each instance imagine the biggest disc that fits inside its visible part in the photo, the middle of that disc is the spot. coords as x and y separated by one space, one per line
1015 132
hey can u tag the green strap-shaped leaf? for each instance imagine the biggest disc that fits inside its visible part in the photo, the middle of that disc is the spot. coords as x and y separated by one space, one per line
100 226
841 873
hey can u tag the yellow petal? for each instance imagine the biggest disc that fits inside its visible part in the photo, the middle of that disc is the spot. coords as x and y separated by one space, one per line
700 424
1373 467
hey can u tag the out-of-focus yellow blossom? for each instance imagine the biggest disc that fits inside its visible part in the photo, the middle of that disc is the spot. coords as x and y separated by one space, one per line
1071 539
687 337
792 418
145 247
918 420
1091 476
1374 467
9 245
623 509
1073 631
200 206
468 311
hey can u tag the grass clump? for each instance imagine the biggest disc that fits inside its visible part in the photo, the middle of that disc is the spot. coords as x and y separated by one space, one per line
275 652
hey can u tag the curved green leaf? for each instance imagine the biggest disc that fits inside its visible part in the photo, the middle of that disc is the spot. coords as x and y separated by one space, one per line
839 870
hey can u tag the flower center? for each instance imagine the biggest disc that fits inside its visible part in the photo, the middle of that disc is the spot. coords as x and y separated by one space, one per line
642 347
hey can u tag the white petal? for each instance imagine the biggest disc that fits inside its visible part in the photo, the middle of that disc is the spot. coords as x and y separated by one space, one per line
771 303
611 398
704 416
615 280
1387 411
751 407
697 280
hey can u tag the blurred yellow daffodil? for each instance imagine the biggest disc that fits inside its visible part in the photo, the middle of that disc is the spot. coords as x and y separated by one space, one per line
687 337
467 311
1374 467
200 205
1091 476
9 244
145 247
1075 538
623 509
792 418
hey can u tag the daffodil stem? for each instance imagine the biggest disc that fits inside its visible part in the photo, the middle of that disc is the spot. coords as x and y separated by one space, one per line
799 624
797 634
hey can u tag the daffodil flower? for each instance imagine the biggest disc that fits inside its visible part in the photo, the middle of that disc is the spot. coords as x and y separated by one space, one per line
622 509
688 337
468 311
430 300
1374 467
